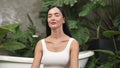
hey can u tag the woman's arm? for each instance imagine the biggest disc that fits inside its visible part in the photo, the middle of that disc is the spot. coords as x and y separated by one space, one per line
37 56
74 52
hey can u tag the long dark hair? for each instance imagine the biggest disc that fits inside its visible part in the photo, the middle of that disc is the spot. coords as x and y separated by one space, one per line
65 26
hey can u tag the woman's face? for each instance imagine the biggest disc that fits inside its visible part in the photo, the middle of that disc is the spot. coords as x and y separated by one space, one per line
55 18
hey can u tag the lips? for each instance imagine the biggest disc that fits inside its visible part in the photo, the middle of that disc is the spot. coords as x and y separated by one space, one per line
53 23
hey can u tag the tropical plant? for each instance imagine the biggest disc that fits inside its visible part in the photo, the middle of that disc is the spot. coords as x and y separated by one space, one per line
101 15
6 42
18 42
26 37
112 34
114 56
105 21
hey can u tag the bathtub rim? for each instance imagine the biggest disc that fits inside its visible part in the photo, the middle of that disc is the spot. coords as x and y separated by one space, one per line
85 54
16 59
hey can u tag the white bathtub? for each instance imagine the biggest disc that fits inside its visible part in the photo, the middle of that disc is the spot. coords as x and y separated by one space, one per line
20 62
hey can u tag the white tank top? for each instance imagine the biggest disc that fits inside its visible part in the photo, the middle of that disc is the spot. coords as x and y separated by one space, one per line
56 59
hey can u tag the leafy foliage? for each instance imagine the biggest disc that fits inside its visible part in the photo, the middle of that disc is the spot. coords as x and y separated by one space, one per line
8 28
11 46
111 33
7 43
18 42
47 3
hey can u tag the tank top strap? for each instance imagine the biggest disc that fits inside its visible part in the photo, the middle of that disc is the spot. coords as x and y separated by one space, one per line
43 44
69 44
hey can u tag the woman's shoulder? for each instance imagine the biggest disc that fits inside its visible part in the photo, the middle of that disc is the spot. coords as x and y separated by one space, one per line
39 46
39 43
40 40
74 43
74 40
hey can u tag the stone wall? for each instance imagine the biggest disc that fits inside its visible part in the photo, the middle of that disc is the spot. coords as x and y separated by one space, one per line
15 11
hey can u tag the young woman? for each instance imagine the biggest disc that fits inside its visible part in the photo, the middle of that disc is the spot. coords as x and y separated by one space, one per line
58 49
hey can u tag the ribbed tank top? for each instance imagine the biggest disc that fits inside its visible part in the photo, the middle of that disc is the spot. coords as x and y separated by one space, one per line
52 59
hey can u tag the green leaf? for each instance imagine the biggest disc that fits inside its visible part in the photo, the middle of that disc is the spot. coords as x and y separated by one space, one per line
107 65
3 31
116 22
66 2
8 28
81 34
11 46
86 9
47 3
89 7
72 24
107 52
11 27
100 2
111 33
110 64
92 62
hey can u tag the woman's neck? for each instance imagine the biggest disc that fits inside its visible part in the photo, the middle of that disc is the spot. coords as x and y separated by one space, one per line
57 33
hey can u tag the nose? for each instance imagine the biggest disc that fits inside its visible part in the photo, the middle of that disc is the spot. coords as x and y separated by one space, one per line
53 18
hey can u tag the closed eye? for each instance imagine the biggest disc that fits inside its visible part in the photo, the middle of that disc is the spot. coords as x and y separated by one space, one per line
57 14
49 15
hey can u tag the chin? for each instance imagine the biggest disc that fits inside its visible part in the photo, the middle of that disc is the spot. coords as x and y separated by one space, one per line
53 27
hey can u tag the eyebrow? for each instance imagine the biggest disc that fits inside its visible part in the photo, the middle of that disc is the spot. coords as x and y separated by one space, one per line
54 13
57 13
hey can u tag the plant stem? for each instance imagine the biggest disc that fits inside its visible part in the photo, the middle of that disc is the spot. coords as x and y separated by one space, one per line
98 32
115 45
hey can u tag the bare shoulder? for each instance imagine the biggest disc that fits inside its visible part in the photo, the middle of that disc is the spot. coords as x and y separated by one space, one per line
75 44
39 45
